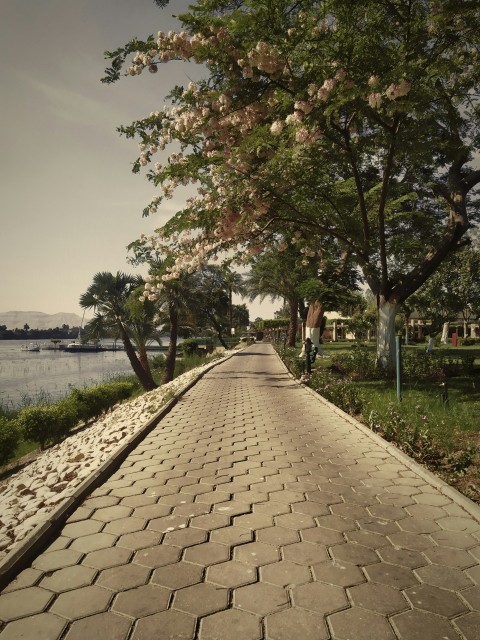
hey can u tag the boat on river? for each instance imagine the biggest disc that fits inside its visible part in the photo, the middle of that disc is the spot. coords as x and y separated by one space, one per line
31 347
84 347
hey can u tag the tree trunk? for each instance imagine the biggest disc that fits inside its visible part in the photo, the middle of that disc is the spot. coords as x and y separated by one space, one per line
386 333
144 377
444 338
292 326
143 357
172 345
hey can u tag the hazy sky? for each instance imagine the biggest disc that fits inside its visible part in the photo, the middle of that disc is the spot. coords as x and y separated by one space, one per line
69 203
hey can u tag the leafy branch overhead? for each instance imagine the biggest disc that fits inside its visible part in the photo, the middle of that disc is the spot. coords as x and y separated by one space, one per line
354 122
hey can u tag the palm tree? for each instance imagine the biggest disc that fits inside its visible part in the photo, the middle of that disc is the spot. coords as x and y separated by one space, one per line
235 284
278 275
108 296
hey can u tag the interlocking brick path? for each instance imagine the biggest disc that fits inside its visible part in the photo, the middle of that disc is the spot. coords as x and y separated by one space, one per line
254 511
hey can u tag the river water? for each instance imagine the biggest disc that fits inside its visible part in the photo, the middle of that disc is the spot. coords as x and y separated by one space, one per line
28 377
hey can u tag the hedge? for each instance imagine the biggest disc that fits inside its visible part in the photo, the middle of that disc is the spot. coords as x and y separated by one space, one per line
9 439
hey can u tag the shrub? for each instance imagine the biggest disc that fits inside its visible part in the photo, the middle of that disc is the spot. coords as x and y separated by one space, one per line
45 423
9 439
341 392
189 347
94 401
359 362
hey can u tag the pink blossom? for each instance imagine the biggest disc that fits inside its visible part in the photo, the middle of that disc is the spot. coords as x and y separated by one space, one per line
276 128
301 135
375 100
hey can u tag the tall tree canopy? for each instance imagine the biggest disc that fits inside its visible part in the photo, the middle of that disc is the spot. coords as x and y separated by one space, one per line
357 121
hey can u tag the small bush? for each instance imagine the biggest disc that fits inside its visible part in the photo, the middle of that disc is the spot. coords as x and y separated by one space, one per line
38 423
9 439
359 362
341 392
94 401
189 347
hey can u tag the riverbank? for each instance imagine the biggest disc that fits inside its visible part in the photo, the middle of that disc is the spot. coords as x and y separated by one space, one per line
28 496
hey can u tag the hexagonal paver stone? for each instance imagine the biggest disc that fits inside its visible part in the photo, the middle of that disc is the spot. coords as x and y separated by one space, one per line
378 598
455 539
26 578
277 536
82 602
285 573
43 626
440 601
420 625
207 553
472 596
99 502
157 556
256 554
296 521
296 623
444 577
57 560
402 557
94 542
362 625
201 599
168 523
338 523
210 521
185 537
125 525
106 558
260 598
103 625
316 596
178 575
30 601
123 577
231 535
341 574
174 625
231 623
69 578
81 528
305 553
456 523
142 601
231 574
458 558
322 535
139 539
391 575
108 514
469 625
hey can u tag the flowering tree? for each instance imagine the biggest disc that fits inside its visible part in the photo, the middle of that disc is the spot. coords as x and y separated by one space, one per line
354 121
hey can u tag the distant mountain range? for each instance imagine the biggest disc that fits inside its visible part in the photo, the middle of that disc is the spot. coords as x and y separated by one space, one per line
38 320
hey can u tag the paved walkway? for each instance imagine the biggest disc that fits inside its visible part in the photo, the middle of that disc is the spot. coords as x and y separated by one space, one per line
254 511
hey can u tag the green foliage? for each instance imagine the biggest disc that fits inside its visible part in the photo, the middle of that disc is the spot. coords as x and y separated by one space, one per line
9 439
341 392
46 423
358 362
93 401
190 346
422 366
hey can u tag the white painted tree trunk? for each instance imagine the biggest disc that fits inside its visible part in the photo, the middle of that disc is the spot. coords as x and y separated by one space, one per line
430 345
444 338
386 334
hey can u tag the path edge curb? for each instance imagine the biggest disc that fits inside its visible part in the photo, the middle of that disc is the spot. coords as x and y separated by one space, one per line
447 490
22 555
